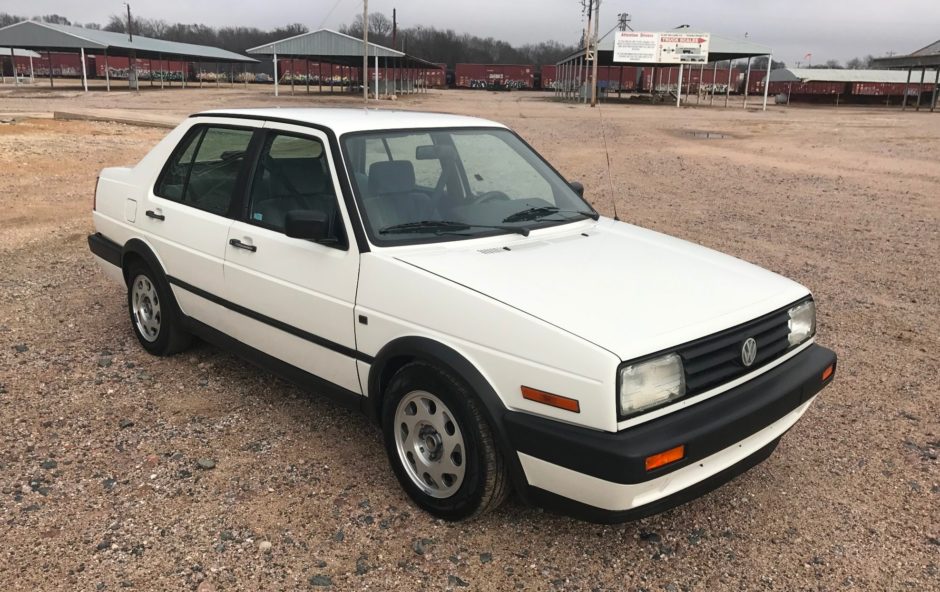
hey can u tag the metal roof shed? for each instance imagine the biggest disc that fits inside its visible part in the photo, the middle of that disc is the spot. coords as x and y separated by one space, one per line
335 48
837 75
923 58
719 49
52 37
14 53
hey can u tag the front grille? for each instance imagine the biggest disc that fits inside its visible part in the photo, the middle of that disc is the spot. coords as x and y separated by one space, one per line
716 359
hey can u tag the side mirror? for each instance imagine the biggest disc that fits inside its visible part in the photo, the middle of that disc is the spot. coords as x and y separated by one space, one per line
577 187
307 225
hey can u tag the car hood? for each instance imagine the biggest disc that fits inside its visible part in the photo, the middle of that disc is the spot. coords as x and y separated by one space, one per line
626 289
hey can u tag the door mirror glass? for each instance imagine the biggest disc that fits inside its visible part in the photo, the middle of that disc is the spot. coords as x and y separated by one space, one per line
577 187
308 225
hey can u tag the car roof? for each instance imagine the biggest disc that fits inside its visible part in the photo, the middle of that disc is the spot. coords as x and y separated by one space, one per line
343 121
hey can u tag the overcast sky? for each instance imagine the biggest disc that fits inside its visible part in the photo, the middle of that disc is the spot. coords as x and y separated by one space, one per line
829 29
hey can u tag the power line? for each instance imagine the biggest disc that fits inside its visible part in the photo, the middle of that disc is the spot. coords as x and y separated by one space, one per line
330 13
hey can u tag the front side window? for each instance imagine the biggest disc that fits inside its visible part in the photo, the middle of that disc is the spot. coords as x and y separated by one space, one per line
446 184
293 175
204 169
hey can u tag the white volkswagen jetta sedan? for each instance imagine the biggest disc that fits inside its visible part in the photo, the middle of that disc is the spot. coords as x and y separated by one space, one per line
437 273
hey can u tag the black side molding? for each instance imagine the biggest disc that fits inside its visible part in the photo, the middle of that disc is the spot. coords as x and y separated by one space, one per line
105 248
295 331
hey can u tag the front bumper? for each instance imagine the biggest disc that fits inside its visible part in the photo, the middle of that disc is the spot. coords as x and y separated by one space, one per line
602 476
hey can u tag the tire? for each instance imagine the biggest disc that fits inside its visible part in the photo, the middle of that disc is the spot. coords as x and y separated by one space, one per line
155 318
440 445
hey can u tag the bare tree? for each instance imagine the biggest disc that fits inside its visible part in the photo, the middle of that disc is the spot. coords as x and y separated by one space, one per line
380 27
854 64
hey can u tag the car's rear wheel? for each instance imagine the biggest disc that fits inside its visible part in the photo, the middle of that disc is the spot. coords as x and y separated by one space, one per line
154 316
440 445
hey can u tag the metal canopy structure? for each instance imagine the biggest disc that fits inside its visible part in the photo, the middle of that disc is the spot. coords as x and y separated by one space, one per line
63 38
838 75
18 53
926 57
720 49
333 47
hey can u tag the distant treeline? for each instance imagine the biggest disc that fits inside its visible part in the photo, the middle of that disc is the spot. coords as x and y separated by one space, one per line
448 46
430 43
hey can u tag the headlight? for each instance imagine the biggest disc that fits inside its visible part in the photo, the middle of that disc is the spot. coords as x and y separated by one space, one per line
651 383
802 322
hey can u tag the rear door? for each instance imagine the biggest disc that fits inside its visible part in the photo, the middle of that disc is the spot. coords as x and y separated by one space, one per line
295 297
191 207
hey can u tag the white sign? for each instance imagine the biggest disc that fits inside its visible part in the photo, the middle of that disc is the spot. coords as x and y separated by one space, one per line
636 46
644 47
683 48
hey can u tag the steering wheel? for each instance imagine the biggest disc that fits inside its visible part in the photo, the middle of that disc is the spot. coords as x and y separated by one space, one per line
489 196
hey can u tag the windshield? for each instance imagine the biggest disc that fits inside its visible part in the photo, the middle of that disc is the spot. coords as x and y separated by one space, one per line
447 184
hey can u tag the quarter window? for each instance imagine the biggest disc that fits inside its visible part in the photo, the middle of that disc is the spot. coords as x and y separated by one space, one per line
205 169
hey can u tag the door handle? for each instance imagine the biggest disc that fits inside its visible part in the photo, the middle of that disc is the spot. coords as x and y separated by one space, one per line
240 245
155 216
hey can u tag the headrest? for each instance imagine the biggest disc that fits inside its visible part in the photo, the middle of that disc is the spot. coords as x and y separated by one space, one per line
392 176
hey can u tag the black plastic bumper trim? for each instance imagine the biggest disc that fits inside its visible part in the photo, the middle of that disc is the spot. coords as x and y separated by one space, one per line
704 428
562 505
105 248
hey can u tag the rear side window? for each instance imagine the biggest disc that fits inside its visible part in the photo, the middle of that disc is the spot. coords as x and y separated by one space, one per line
204 169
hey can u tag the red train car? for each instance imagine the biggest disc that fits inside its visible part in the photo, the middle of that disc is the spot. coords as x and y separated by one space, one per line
617 78
666 78
515 76
756 84
429 77
118 67
548 76
64 65
809 88
889 89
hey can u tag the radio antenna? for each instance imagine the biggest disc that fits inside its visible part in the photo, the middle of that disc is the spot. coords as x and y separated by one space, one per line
610 181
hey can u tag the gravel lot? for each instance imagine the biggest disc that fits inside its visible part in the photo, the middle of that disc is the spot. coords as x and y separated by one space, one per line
120 470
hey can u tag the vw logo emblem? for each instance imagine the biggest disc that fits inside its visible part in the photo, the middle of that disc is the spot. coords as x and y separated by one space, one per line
749 351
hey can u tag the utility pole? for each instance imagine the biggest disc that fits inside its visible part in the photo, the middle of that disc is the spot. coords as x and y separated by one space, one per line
596 23
622 19
394 29
365 50
132 58
588 54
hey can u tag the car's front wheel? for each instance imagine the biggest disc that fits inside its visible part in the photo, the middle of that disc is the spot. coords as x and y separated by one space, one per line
440 445
153 312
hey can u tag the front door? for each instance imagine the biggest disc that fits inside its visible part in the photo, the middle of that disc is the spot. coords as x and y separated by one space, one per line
295 296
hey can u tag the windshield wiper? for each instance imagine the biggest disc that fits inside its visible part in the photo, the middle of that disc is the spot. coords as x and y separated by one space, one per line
445 226
540 212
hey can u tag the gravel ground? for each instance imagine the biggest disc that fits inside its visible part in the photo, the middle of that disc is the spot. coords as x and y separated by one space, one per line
121 470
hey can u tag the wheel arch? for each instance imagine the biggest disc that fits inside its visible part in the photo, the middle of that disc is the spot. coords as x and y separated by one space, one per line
399 352
136 249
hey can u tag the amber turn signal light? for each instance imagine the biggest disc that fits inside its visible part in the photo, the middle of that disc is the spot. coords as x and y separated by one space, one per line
566 403
662 459
828 372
